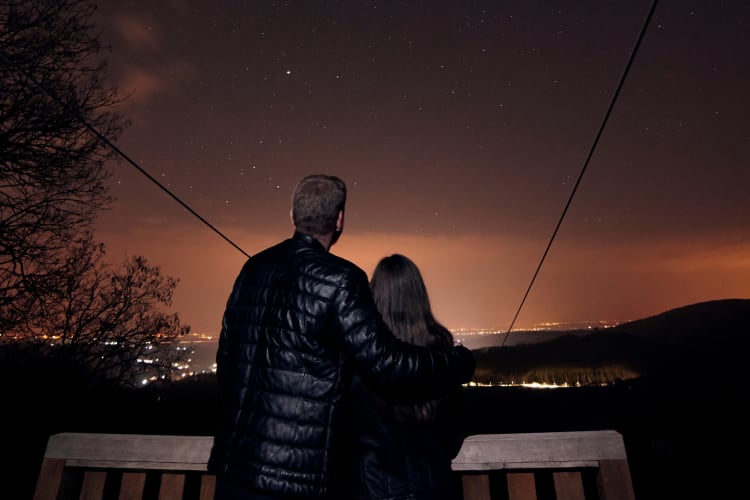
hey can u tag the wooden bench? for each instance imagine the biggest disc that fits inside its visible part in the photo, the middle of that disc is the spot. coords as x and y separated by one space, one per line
137 466
567 459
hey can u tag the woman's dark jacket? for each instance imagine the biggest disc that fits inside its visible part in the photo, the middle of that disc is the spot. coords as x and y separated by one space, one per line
298 324
398 455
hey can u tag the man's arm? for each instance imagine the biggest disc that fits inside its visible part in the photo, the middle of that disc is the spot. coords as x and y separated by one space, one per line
388 364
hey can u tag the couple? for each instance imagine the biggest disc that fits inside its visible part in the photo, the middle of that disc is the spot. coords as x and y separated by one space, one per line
331 386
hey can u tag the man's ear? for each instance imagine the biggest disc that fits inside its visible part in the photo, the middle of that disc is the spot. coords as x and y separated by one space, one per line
340 221
291 216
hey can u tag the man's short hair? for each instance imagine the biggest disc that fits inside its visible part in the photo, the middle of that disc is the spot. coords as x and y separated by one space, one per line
316 204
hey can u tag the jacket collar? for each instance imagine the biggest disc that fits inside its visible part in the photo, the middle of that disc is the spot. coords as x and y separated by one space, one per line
310 240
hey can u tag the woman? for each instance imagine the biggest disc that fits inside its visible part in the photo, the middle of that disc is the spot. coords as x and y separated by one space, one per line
403 450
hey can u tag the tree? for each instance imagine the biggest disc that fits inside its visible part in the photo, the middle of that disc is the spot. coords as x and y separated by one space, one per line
109 322
52 168
59 299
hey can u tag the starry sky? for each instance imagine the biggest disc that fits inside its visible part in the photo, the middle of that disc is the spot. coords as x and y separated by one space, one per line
461 129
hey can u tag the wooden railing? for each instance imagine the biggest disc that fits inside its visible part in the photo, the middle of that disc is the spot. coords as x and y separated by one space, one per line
137 466
524 460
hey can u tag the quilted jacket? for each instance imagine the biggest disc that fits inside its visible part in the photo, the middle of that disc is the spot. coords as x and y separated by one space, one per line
298 324
398 455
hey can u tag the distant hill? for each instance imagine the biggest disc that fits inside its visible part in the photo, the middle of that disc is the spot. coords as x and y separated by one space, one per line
707 339
694 324
515 338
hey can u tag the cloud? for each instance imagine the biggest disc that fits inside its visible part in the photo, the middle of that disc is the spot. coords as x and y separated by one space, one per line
137 32
143 68
140 85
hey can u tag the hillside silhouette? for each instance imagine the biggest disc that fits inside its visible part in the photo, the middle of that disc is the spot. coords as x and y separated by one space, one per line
697 324
707 337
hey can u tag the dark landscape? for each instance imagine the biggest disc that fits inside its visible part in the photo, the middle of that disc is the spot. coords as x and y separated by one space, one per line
682 407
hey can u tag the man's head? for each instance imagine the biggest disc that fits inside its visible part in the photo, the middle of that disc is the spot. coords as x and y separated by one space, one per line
318 205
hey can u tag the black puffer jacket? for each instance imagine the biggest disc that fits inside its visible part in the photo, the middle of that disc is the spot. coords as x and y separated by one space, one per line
299 322
404 451
404 459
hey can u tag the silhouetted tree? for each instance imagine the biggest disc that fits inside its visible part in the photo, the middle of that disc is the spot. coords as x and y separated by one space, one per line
110 322
52 168
59 300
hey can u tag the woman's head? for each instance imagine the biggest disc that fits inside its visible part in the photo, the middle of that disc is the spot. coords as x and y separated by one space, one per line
401 297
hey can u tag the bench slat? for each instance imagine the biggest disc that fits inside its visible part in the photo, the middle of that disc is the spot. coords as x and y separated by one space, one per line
568 485
50 477
208 486
614 480
131 451
93 485
476 486
539 450
521 486
171 487
132 485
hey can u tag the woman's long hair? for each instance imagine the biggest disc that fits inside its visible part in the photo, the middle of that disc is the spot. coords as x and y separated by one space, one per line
401 297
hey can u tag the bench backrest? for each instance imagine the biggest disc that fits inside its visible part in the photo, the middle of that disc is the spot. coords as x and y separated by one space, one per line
137 466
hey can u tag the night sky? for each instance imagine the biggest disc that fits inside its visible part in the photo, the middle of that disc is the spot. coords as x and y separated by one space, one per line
460 128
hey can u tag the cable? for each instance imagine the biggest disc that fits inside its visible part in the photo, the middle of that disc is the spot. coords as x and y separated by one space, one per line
586 163
121 153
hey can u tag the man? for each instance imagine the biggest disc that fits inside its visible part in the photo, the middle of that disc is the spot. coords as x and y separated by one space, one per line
298 323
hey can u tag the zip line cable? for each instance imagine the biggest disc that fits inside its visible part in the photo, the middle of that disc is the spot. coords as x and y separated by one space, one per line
120 152
586 163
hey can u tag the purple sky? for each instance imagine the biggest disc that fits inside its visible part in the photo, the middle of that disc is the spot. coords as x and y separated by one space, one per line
460 128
